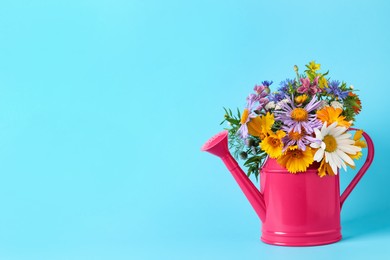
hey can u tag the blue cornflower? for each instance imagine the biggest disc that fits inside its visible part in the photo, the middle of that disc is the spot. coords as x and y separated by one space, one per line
334 83
267 83
334 89
277 96
284 85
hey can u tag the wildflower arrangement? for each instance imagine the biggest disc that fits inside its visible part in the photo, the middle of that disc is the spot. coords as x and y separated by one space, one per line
305 121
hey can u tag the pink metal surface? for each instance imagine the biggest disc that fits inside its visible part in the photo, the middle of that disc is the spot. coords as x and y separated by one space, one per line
362 171
296 209
302 209
218 145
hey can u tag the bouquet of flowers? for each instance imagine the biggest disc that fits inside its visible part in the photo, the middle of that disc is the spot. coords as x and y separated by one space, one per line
305 121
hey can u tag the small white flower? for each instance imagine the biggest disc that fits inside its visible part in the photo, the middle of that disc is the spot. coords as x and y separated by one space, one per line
270 105
286 100
351 87
336 104
281 102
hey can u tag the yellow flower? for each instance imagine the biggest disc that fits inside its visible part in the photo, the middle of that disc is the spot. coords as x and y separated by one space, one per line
325 169
322 82
314 66
331 115
302 98
296 160
244 116
273 144
360 143
260 126
358 135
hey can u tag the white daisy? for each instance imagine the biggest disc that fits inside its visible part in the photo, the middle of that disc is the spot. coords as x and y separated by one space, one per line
334 144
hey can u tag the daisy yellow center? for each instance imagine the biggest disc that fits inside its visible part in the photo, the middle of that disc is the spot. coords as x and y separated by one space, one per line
244 116
331 144
299 114
295 135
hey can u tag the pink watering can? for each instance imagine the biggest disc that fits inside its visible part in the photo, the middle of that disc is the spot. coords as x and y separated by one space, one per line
295 209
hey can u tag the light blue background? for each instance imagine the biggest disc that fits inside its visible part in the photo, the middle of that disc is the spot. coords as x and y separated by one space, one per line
104 105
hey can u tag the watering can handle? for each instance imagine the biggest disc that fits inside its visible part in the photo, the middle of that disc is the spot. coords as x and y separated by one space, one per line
363 169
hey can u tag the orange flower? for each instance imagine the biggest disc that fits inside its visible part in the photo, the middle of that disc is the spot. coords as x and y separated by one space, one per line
360 143
331 115
358 104
260 126
325 169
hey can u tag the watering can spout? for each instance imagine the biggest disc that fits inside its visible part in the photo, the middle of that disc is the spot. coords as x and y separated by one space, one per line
218 145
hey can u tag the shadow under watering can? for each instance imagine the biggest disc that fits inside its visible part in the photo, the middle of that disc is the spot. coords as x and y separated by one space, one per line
295 209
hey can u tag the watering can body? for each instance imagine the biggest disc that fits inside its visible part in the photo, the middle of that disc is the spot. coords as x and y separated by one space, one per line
295 209
301 209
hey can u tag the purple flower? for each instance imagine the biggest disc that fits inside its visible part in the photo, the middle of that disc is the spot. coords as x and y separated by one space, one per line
260 90
258 99
305 85
294 138
262 103
334 89
251 99
299 119
246 116
309 87
261 96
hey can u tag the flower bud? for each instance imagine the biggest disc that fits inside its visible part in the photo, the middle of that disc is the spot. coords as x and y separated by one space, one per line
250 142
243 155
259 89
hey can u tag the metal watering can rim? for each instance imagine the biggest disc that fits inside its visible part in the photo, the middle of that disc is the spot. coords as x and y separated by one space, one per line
271 165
